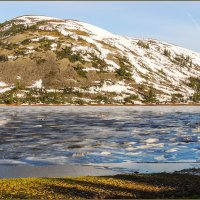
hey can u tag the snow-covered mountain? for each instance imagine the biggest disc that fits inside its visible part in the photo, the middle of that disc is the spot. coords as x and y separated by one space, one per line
76 62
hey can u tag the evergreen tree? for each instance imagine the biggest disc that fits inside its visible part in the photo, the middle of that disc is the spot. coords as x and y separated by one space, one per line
150 97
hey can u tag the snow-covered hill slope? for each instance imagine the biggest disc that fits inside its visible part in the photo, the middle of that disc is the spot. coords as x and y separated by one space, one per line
94 62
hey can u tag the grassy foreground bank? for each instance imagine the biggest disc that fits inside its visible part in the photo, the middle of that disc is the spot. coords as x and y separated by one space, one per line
161 185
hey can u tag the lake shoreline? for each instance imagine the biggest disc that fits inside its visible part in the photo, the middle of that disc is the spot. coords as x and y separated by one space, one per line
99 105
109 169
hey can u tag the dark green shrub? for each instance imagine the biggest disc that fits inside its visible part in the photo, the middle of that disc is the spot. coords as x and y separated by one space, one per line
64 53
67 90
124 70
167 53
195 97
150 96
123 61
182 61
52 97
11 46
20 52
68 53
45 44
194 83
8 98
123 73
80 39
101 99
143 44
25 42
19 86
14 29
3 58
39 61
177 97
80 71
97 62
162 72
131 98
4 24
79 102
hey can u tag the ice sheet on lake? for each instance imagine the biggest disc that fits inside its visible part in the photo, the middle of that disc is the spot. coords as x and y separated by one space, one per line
99 135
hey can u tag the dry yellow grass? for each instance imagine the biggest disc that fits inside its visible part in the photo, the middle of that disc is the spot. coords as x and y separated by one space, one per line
114 187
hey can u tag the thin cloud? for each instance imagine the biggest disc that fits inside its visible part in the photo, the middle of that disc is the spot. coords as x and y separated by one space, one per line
194 21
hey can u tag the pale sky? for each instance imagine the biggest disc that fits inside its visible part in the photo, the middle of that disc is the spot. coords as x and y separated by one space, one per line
174 22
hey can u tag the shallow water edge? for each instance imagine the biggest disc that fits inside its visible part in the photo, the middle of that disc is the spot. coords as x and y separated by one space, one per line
59 171
102 105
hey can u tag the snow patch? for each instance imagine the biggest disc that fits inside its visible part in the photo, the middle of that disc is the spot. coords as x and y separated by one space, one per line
37 84
3 84
108 86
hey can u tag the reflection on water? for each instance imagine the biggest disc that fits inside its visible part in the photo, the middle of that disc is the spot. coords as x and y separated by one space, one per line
98 135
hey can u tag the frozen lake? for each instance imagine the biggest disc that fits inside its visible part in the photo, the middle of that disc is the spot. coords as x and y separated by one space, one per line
113 137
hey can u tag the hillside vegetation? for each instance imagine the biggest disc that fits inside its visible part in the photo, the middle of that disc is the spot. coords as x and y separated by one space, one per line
53 61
